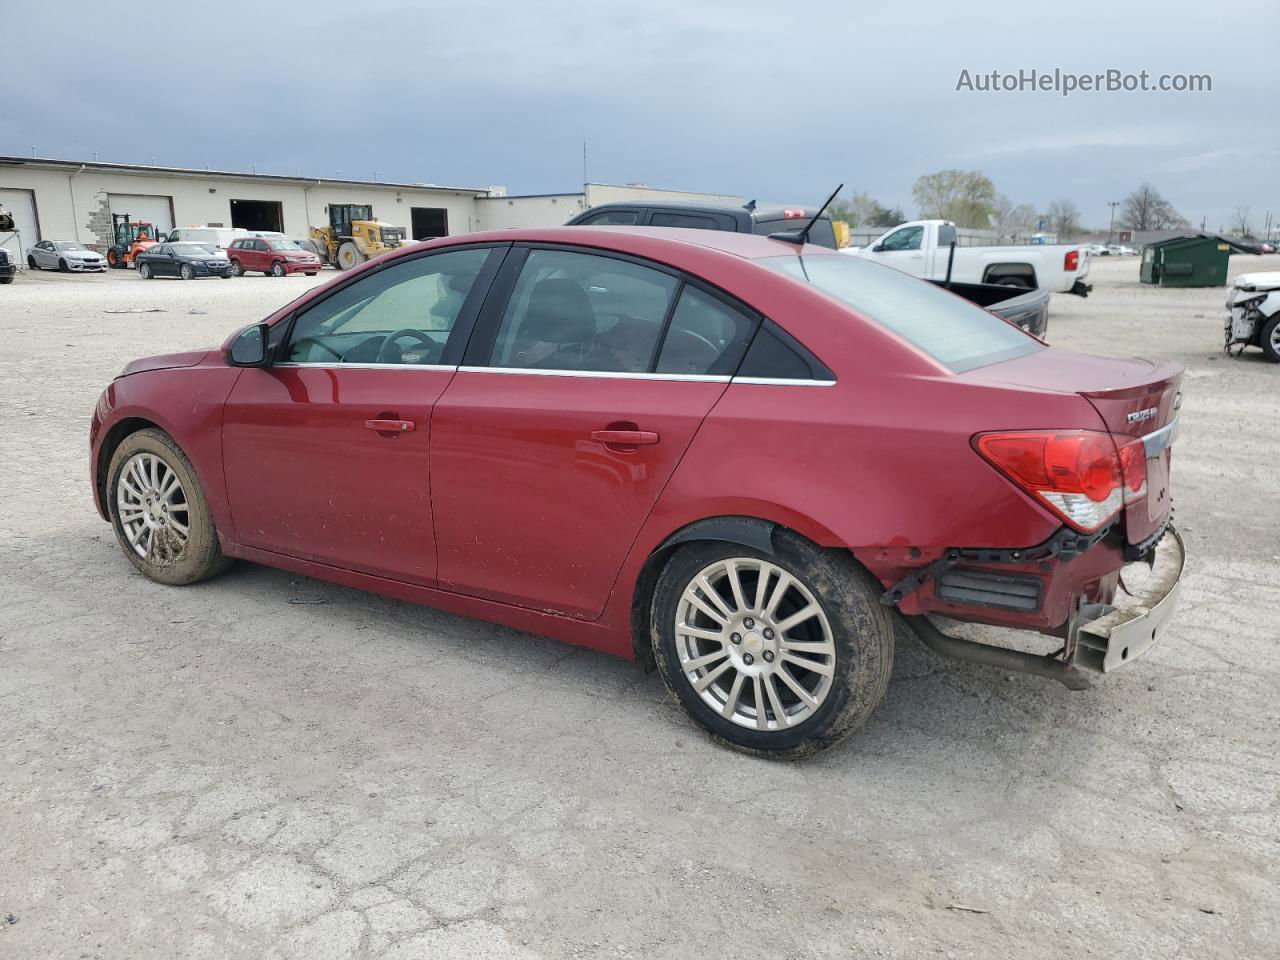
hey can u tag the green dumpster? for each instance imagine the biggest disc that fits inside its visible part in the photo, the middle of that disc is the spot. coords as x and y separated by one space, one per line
1194 261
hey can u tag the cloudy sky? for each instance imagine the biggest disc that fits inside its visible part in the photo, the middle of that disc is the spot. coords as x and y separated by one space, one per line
774 100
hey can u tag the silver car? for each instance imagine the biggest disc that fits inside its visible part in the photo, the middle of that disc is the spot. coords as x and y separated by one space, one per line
64 255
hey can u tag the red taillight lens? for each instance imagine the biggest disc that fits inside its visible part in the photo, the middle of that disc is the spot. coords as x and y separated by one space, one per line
792 214
1071 262
1078 474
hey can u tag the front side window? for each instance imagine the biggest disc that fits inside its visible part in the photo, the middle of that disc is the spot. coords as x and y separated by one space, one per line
706 336
689 220
956 333
577 311
908 238
617 218
401 314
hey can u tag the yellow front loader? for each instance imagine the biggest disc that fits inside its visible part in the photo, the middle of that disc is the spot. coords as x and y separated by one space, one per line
353 236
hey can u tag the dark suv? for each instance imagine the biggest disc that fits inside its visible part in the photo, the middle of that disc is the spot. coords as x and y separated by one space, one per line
705 216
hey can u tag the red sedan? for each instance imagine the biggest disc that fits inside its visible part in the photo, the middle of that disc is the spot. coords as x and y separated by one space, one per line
725 454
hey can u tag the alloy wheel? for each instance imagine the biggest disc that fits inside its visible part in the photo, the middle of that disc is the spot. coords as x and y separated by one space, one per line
153 509
755 644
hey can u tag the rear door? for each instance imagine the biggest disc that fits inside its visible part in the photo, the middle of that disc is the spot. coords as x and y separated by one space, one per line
585 381
326 453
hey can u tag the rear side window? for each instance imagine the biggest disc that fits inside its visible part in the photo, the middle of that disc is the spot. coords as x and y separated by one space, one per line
690 220
706 336
822 234
577 311
776 355
956 333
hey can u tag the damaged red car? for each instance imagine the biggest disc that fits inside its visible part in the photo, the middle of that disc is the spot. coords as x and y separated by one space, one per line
736 457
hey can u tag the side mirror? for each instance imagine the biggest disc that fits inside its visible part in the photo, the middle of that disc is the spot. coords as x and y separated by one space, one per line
877 248
249 347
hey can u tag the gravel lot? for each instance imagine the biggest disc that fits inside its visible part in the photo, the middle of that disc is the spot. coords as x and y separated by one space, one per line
265 765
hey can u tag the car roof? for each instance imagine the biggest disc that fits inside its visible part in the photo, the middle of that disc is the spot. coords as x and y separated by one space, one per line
771 212
642 241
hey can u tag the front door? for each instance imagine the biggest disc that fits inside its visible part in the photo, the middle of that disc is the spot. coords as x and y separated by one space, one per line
326 452
903 249
551 446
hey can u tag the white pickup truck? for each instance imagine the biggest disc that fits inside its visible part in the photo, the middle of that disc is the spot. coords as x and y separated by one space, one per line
914 248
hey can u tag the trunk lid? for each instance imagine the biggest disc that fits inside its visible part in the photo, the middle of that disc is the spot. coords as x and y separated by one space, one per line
1134 397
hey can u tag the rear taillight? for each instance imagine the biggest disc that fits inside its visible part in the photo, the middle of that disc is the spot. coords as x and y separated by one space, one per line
1071 262
1078 474
792 214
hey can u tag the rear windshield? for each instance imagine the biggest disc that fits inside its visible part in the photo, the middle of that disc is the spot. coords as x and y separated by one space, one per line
823 234
954 332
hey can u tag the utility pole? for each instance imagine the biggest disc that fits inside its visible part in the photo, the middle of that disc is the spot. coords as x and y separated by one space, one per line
584 163
1111 226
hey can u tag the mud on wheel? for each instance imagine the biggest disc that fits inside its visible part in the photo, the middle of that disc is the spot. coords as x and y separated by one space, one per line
159 512
781 654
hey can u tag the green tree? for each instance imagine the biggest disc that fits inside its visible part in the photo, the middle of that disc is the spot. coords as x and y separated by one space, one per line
965 197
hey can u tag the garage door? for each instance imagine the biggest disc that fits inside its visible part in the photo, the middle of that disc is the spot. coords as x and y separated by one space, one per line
144 209
22 205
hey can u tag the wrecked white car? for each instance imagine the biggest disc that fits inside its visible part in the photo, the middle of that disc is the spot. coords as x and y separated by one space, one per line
1254 303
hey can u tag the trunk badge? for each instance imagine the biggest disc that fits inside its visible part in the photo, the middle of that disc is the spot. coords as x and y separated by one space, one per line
1140 415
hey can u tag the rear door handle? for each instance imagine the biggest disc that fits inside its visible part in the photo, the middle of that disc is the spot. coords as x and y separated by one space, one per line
390 426
624 438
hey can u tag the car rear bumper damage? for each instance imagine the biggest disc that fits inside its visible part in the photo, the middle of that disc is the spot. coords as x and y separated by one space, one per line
1100 637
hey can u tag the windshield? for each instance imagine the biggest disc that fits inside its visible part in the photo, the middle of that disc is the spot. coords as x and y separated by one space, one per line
954 332
192 249
282 244
69 245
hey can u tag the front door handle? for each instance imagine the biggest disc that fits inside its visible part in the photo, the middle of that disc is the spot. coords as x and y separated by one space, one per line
624 438
390 426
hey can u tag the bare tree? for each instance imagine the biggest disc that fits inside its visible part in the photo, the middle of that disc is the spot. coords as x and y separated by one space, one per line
1064 218
1145 209
1240 221
965 197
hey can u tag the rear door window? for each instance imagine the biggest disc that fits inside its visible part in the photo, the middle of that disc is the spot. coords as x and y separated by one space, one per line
956 333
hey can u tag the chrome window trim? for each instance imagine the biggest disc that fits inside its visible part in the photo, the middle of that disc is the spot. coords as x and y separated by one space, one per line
1158 441
436 367
783 382
599 374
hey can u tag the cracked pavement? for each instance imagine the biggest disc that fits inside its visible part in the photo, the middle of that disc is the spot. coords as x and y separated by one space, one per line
214 771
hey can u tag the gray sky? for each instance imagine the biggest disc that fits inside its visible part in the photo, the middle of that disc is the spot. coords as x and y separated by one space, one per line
772 100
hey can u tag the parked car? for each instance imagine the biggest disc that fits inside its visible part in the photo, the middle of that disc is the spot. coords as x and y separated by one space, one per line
704 216
1098 249
217 237
728 455
277 256
8 269
914 248
1253 320
1120 250
185 260
65 255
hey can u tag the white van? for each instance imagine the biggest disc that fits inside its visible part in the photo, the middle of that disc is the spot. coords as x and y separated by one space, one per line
217 237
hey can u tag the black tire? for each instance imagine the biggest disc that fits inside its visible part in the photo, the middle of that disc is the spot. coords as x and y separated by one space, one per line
201 557
1269 339
6 279
277 269
187 272
1018 282
860 627
236 269
144 271
62 266
311 273
31 263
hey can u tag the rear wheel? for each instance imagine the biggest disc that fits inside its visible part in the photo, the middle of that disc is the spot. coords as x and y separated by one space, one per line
113 258
187 272
1270 339
277 269
159 512
31 263
349 256
144 271
780 655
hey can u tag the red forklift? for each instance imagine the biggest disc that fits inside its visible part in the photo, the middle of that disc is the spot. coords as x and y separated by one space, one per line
131 238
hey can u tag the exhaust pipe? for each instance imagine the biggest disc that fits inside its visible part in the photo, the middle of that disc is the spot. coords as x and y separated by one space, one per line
1049 667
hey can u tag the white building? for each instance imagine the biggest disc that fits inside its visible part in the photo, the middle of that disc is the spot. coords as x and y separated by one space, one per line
71 200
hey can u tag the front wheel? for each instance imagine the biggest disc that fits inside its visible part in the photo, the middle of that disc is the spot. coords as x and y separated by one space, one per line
780 655
1270 339
159 512
62 266
187 272
236 269
349 256
277 269
144 271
